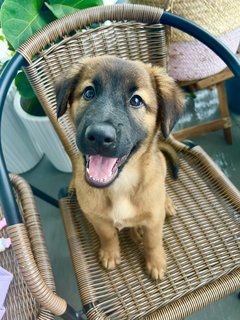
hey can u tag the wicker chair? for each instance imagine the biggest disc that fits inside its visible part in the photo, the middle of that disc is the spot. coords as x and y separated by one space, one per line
202 241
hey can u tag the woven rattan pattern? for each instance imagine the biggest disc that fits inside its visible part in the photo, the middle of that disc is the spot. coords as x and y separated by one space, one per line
20 303
202 245
78 20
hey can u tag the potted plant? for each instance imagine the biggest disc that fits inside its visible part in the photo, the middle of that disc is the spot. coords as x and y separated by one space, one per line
18 25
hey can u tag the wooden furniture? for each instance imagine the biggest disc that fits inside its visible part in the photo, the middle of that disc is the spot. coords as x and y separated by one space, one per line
224 122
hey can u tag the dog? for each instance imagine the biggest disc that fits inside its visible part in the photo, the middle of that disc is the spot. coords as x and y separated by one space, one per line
118 107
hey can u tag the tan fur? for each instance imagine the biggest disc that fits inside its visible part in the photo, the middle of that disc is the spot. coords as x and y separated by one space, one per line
137 198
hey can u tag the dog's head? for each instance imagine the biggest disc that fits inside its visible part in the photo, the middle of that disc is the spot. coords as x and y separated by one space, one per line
117 107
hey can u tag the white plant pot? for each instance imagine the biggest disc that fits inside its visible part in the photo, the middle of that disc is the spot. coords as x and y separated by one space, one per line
19 151
43 134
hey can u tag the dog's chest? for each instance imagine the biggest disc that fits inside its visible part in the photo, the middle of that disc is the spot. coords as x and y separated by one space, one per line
123 213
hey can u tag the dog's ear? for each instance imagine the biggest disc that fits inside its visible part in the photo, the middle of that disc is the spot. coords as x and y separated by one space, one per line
64 89
170 99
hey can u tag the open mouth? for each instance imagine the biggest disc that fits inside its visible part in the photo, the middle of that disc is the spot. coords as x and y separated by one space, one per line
102 171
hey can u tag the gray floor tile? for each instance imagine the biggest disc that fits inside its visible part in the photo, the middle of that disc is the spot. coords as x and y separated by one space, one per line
236 119
225 309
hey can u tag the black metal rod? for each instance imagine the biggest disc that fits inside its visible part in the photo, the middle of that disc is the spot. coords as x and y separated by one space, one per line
42 195
10 208
71 314
205 37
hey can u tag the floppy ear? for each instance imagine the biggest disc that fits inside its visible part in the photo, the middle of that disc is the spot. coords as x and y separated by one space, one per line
170 99
65 87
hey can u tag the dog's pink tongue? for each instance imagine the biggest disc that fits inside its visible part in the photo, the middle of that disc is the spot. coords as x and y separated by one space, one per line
101 167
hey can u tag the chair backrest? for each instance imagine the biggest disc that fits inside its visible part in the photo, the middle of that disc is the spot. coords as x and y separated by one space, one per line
127 31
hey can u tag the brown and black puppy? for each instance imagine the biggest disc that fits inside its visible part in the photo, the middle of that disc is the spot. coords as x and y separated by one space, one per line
118 108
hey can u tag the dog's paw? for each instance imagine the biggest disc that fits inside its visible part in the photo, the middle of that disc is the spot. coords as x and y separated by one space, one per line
109 259
136 234
156 268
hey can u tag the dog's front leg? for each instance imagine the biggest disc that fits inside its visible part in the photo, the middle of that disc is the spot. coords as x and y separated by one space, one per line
109 253
154 251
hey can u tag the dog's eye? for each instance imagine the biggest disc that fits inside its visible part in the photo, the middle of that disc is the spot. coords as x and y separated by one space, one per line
136 101
89 93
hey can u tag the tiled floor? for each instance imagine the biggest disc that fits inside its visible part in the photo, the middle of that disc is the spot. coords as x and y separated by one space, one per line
47 178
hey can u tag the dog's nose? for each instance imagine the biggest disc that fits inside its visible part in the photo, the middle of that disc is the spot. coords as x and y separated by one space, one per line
101 137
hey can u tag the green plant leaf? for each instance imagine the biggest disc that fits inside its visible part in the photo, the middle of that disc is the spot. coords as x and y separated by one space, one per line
32 107
23 86
61 8
29 101
20 19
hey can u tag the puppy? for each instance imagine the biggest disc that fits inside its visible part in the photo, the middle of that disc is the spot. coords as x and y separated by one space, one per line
117 108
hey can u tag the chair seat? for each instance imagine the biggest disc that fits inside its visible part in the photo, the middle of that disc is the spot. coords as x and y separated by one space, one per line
201 244
20 304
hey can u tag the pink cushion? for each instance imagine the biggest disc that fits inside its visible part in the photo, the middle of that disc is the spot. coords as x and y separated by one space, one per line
192 60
